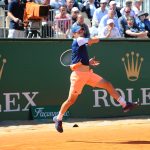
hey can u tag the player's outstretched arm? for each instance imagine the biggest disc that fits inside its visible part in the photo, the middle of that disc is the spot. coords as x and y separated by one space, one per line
93 40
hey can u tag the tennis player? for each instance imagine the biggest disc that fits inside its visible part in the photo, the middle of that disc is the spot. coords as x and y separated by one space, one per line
82 75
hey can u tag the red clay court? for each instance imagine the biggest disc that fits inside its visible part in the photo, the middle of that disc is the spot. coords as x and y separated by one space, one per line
131 133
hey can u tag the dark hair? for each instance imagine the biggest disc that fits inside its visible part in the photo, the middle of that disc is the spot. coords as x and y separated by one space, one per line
63 6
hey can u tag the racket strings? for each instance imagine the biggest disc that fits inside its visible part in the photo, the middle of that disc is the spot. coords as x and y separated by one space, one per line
65 58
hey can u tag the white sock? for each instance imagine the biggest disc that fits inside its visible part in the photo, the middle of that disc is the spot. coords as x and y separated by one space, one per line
60 116
121 101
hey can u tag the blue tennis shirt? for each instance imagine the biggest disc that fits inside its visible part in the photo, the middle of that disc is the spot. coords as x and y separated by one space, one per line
18 11
79 51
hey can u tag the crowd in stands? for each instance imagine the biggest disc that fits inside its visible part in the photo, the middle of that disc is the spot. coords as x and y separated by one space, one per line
102 18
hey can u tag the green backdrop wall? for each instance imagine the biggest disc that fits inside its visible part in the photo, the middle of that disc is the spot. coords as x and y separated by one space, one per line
31 75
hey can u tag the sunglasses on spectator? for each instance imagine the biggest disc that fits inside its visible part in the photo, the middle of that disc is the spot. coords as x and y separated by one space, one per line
127 12
130 20
76 12
104 3
63 10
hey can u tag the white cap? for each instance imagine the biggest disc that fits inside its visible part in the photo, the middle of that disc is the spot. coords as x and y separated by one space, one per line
104 1
112 3
110 21
74 9
138 1
129 0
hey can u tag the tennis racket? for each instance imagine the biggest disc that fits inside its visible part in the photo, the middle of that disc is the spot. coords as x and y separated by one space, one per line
65 58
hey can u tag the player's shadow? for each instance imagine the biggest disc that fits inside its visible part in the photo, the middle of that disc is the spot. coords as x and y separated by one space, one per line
135 142
119 142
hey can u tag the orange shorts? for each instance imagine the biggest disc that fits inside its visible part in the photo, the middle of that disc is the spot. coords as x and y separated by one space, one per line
80 78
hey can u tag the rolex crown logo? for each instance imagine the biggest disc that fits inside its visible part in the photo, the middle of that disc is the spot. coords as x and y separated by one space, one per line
2 63
132 63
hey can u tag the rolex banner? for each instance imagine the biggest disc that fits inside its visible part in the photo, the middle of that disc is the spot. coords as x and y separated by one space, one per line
32 79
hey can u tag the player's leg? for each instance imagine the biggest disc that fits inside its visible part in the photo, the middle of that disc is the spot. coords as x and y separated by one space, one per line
64 107
98 81
78 80
111 90
127 106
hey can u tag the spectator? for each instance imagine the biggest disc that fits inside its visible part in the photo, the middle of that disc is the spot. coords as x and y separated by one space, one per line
132 31
76 4
55 4
93 31
128 3
70 4
137 6
74 13
109 31
16 13
142 22
63 22
80 22
6 4
122 21
104 19
99 13
113 6
62 13
89 8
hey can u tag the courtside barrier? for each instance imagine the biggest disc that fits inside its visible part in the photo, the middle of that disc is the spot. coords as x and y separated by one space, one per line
31 75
